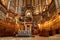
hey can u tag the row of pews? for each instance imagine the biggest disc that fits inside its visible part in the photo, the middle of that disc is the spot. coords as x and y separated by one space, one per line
8 29
49 28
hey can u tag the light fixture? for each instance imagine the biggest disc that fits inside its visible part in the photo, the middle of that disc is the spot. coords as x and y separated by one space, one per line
28 14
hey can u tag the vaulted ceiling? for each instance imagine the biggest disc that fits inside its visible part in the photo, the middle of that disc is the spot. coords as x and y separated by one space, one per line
41 8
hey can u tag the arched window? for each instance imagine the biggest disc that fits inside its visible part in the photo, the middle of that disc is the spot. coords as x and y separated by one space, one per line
12 5
2 15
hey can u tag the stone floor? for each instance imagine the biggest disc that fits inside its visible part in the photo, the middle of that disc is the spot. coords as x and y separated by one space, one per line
56 37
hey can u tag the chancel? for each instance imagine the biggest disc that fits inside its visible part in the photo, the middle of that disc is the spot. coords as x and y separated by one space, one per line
29 17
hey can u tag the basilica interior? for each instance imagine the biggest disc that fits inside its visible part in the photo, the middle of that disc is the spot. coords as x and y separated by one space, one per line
29 17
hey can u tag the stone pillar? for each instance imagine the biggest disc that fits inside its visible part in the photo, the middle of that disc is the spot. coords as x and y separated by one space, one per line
33 3
24 3
16 19
8 4
40 4
16 10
